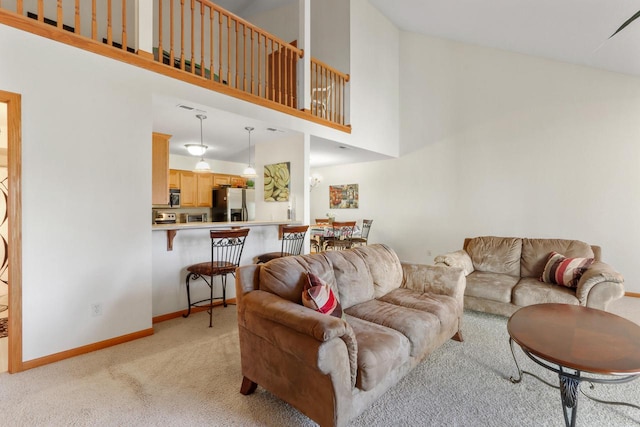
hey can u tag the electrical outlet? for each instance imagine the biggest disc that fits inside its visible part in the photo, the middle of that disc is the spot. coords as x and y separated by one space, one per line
96 309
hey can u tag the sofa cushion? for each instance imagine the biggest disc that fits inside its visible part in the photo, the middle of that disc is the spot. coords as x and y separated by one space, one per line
421 328
380 350
491 286
496 254
352 275
385 267
286 276
444 307
318 296
531 291
564 271
535 253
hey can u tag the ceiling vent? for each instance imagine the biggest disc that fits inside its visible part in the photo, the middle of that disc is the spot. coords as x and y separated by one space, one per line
190 108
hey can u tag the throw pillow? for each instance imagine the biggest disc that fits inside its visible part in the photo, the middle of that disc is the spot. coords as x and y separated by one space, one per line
319 296
564 271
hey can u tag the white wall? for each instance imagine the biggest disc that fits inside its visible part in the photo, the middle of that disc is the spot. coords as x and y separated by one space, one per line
374 85
217 166
497 143
85 193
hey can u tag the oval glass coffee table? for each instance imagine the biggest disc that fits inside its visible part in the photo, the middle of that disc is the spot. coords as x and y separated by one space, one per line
570 340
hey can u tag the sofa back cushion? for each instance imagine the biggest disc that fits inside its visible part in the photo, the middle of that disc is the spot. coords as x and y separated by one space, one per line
287 276
535 253
352 277
495 254
385 268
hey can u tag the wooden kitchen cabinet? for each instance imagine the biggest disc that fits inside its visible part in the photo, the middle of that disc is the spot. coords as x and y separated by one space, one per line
160 169
174 178
220 179
205 185
188 189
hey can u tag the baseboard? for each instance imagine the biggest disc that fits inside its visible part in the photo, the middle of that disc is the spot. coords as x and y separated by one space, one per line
632 294
176 314
34 363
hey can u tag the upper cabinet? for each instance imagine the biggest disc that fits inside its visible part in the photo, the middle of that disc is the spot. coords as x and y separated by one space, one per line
205 185
188 189
160 169
195 187
174 178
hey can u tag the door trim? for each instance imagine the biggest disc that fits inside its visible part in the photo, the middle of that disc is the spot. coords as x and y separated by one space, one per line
14 211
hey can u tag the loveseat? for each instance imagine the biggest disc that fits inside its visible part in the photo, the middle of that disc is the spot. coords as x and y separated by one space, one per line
332 368
505 273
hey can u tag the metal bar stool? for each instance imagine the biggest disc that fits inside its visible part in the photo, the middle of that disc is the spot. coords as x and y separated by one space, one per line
226 250
292 242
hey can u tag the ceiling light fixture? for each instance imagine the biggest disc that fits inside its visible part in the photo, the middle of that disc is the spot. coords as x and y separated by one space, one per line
196 149
202 166
314 180
249 172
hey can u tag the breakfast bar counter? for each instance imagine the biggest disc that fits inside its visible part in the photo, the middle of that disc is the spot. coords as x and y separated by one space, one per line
176 246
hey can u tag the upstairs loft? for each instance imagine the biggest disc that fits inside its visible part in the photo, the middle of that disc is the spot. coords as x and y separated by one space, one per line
197 42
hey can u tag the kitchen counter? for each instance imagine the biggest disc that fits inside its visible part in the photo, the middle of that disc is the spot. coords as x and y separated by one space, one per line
191 244
172 229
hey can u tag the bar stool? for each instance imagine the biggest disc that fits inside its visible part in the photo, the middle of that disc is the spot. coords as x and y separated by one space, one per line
292 242
226 250
364 234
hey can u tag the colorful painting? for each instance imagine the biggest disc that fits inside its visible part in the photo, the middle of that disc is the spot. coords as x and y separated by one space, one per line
276 182
343 196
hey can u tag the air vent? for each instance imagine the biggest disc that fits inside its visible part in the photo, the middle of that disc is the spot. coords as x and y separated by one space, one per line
274 130
190 108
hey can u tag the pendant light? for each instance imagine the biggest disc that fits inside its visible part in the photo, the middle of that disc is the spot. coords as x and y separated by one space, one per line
249 172
202 166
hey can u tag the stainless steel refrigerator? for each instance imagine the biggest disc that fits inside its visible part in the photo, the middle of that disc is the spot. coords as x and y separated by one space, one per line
233 204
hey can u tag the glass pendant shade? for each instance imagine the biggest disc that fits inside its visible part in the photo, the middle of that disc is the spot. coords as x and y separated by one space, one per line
196 149
202 166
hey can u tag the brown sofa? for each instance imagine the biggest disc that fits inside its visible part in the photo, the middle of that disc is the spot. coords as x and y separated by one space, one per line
332 368
503 274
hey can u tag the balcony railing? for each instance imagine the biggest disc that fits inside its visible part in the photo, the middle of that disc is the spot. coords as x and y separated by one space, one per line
214 47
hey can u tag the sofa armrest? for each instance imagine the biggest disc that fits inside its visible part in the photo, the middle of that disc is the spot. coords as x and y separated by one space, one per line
437 279
460 259
599 285
298 318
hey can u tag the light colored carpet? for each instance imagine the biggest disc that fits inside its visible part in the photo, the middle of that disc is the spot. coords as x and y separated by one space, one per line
187 374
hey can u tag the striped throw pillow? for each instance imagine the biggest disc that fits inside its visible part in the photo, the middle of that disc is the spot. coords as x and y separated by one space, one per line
319 296
564 271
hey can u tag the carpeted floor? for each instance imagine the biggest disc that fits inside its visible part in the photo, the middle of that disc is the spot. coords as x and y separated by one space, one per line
187 374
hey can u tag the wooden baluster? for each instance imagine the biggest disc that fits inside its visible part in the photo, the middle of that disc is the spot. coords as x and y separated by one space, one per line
228 49
109 22
94 23
279 73
272 75
317 91
193 42
220 45
182 35
212 71
252 54
77 20
171 51
202 73
60 15
284 51
237 64
124 25
41 10
259 67
244 57
160 27
19 7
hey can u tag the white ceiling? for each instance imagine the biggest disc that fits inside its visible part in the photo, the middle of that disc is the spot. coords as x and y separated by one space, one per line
574 31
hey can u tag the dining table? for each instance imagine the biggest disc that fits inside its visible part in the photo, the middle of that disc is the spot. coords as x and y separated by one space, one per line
319 233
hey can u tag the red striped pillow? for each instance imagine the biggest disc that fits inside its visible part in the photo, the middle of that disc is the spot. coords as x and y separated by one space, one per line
564 271
319 296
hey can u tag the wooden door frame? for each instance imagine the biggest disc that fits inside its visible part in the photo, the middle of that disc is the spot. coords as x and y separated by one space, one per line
14 212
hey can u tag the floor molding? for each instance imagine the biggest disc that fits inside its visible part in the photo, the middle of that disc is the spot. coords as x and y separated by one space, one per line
34 363
632 294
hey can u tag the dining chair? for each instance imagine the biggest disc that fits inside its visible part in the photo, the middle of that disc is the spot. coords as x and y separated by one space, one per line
342 235
317 242
292 243
364 234
226 251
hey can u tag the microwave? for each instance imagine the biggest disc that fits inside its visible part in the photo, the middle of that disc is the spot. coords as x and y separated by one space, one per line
174 198
187 217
